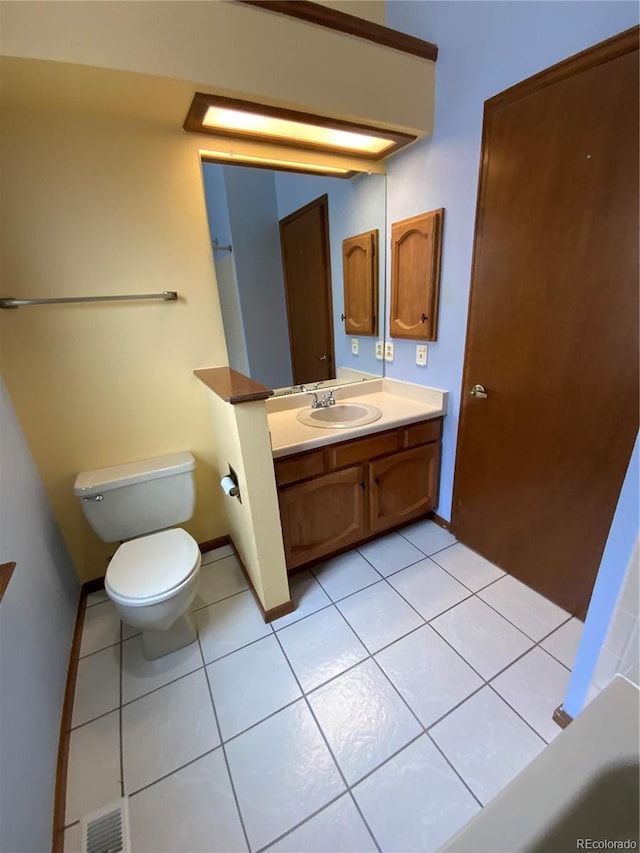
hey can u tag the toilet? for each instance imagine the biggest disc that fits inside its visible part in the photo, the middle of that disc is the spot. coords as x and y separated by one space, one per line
153 577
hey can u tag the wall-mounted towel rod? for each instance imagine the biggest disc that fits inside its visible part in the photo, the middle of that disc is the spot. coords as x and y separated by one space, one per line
9 302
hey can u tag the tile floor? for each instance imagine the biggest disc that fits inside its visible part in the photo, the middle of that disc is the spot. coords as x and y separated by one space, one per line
412 683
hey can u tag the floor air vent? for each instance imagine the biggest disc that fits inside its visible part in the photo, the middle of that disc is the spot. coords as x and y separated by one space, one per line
107 829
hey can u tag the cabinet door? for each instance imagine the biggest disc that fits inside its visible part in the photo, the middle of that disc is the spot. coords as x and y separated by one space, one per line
360 275
415 276
403 486
322 515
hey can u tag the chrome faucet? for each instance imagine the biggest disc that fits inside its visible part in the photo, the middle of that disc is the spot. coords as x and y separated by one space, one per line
322 401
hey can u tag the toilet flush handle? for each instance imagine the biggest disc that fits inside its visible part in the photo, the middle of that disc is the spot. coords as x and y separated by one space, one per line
94 498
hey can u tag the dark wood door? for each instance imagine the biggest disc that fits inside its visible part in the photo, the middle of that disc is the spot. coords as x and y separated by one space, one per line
304 239
403 486
322 515
553 325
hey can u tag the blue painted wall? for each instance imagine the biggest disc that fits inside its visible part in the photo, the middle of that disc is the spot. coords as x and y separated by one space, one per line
485 47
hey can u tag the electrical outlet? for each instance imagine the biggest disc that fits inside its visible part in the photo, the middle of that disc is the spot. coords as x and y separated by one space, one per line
354 346
379 350
421 355
388 351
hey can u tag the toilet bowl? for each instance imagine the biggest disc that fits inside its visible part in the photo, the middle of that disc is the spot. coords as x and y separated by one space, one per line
153 576
152 582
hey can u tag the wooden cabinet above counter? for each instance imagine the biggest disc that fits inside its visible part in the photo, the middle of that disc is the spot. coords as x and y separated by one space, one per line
337 496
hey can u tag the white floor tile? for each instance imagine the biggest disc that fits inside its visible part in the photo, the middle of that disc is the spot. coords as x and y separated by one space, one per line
534 686
363 719
487 743
429 675
484 639
97 597
166 729
390 553
307 595
468 567
97 685
345 574
563 643
338 828
379 615
320 647
428 588
228 625
128 631
218 554
282 772
101 628
250 684
191 810
534 614
414 802
141 676
219 580
428 536
93 777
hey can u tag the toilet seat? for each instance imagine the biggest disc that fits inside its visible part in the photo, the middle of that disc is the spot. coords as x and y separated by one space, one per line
152 568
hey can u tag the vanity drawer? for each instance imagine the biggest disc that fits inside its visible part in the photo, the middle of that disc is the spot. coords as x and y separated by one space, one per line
295 468
362 449
422 433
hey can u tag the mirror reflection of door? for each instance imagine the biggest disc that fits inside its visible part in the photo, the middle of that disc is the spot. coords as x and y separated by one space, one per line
304 240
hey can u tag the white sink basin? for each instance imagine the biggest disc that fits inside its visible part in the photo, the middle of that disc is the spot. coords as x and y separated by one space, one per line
340 416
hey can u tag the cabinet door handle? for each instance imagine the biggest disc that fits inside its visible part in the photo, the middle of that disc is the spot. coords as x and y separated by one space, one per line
376 480
424 318
362 486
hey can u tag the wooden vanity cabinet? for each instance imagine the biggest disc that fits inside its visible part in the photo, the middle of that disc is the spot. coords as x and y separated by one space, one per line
323 515
403 486
335 497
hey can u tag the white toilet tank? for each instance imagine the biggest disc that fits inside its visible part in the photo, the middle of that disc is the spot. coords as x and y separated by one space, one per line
125 501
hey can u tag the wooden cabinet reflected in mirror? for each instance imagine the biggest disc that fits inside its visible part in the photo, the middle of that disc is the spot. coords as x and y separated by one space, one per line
416 247
360 278
245 208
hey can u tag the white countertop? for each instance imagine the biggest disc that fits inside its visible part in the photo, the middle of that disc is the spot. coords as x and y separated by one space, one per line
400 402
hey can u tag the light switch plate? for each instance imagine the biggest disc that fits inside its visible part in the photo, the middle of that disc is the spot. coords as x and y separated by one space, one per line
421 355
379 350
388 351
354 346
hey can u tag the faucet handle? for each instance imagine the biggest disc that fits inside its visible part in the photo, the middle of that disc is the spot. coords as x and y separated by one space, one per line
314 403
330 398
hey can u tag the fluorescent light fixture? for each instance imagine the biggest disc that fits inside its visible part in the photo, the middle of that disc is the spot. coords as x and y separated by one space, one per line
272 128
241 159
246 120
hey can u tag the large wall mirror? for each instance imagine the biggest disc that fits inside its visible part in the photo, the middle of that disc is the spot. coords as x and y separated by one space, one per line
278 251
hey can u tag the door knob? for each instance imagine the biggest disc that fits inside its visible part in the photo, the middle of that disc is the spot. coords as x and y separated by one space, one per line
324 358
479 392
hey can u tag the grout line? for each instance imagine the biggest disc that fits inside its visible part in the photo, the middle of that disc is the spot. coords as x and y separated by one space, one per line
224 751
517 713
122 788
461 778
324 738
174 771
301 823
218 600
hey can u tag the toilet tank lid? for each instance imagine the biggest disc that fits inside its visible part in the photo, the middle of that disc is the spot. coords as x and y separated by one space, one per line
90 483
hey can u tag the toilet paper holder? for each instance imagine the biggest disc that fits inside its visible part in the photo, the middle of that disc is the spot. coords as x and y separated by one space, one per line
229 485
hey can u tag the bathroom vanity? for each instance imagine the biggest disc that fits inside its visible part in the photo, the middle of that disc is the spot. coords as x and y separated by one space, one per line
340 487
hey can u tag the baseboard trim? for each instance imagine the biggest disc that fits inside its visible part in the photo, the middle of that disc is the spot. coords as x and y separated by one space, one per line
212 544
561 717
274 612
439 520
60 795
